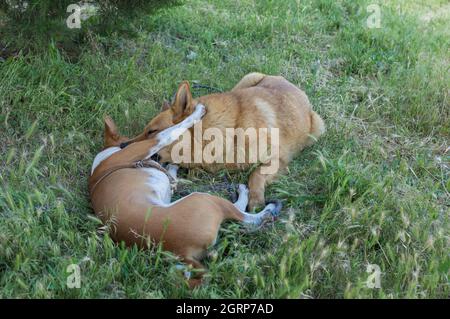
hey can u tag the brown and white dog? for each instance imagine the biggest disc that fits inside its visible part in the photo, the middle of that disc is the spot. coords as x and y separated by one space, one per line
132 194
257 101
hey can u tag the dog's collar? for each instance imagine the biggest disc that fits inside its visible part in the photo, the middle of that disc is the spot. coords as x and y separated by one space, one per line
145 163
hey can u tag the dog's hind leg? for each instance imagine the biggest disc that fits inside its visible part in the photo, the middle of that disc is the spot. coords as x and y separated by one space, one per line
232 211
269 213
195 279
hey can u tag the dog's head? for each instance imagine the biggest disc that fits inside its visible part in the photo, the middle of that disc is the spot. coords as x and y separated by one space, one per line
171 113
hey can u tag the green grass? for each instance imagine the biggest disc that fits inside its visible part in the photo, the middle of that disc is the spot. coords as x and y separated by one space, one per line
374 190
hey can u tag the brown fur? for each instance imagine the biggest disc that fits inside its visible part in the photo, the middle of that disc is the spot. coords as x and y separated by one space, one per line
258 101
186 228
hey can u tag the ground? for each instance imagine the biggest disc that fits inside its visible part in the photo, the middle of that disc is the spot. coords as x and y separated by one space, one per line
369 200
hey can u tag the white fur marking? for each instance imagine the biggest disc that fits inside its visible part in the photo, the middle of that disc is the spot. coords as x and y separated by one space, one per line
102 156
267 111
159 183
170 135
242 201
257 219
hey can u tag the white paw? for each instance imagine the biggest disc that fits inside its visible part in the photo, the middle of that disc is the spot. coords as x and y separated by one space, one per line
242 189
172 167
187 274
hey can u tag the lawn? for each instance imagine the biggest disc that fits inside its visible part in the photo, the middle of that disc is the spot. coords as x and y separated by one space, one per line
372 194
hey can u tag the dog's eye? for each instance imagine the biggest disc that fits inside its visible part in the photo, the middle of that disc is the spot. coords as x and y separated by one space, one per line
150 132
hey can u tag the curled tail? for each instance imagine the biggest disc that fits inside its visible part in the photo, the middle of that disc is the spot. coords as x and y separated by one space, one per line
251 79
317 128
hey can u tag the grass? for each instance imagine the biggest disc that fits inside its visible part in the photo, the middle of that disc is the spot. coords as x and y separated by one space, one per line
374 190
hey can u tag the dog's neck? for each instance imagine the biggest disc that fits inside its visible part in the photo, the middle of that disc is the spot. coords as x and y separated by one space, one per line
103 155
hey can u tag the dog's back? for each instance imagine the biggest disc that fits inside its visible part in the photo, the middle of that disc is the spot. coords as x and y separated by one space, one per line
279 85
265 101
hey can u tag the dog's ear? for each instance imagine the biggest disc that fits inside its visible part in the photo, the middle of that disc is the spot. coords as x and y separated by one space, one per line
165 106
110 126
111 133
182 106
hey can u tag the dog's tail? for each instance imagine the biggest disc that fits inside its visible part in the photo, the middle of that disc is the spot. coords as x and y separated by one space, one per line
317 128
251 79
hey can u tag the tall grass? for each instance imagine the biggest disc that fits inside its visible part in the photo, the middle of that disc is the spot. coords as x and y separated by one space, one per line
374 190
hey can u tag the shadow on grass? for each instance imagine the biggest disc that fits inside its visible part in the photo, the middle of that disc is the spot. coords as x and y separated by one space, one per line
35 24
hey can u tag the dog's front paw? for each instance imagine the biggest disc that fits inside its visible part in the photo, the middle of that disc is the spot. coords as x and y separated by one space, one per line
242 189
255 202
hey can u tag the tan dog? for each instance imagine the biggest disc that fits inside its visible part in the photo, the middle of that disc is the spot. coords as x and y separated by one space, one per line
257 101
132 194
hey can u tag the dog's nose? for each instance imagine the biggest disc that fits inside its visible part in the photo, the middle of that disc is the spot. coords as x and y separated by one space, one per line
156 157
124 144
